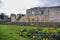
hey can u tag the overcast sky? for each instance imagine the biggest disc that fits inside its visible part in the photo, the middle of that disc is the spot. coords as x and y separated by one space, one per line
20 6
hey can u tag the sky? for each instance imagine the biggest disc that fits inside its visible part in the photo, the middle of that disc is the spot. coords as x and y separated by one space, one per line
20 6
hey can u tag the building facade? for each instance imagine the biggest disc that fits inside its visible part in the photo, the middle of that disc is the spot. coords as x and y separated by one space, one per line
39 14
47 14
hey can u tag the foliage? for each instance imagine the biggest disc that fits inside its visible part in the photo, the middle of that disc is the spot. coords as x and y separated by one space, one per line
13 32
2 15
40 33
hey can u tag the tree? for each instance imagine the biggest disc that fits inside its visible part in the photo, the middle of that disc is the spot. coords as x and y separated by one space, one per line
2 16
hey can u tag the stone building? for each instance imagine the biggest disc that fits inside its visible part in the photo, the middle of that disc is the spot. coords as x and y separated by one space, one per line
39 14
13 18
47 14
54 14
31 18
16 18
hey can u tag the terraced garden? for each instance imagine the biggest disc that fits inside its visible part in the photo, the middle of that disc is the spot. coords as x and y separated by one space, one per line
13 32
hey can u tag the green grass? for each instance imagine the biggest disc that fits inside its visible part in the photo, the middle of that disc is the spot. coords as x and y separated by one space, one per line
9 32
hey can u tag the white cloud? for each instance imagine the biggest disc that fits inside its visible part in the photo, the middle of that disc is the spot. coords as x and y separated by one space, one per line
1 3
16 6
51 2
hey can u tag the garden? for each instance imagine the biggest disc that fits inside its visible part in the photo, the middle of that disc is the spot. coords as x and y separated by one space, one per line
14 32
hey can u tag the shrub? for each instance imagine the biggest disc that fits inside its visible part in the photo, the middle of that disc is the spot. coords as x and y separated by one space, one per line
39 33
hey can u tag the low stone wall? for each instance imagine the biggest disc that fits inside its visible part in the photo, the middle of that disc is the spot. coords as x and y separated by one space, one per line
41 24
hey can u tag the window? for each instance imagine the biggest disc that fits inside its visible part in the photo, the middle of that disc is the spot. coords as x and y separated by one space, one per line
32 20
42 12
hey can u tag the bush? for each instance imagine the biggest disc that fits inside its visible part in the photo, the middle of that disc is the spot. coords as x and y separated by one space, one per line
39 33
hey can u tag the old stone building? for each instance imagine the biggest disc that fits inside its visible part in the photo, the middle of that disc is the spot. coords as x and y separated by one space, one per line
13 18
54 14
47 14
39 14
31 18
16 18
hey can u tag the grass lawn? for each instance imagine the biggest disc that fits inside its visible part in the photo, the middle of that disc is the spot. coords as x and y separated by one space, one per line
9 32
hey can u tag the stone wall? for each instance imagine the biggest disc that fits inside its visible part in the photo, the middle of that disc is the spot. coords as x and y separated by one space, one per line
39 24
30 18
